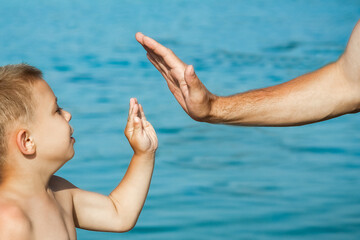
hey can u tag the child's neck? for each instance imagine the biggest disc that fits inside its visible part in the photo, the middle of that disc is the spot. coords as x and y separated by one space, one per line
25 183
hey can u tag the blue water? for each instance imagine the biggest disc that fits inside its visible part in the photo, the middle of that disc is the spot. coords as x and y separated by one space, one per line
210 182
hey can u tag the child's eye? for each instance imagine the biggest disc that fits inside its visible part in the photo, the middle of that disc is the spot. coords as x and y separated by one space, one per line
59 110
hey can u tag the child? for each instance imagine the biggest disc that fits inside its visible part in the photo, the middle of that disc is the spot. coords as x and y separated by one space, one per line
35 141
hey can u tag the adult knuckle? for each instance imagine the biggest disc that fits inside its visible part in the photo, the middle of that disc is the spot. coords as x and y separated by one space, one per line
170 51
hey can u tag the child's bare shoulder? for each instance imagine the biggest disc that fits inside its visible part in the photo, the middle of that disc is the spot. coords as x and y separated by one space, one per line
63 192
58 184
14 223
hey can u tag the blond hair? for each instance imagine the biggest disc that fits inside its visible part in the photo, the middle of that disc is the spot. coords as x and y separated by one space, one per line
15 99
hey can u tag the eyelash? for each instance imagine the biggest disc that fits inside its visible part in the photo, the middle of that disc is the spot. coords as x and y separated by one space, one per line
59 110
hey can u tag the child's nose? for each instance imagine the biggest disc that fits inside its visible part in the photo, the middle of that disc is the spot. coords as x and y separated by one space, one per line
67 115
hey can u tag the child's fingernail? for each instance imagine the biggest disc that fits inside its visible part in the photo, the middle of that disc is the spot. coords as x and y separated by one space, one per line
137 119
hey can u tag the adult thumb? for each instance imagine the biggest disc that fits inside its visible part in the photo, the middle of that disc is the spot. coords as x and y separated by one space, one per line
190 78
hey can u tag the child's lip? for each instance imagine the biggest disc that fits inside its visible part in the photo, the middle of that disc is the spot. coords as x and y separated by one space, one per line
71 131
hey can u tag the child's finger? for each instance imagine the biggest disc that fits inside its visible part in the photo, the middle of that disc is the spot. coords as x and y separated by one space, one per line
131 106
150 131
135 112
151 128
142 115
132 113
138 112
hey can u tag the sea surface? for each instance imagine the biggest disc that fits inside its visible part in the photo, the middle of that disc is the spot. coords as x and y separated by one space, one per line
210 181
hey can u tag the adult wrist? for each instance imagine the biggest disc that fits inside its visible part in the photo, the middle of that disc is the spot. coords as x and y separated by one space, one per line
214 113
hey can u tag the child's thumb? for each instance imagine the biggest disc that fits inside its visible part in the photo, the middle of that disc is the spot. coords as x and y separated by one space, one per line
137 125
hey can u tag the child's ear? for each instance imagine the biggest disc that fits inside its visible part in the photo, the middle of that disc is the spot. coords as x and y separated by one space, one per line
25 142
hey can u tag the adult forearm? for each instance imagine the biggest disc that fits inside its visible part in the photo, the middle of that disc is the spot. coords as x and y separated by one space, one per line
316 96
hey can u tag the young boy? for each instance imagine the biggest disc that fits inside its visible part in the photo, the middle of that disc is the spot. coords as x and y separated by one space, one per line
35 141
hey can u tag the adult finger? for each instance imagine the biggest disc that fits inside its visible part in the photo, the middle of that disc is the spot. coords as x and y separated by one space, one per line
172 83
159 65
161 51
139 37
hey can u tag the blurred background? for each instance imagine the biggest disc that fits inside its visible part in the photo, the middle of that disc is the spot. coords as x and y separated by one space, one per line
210 181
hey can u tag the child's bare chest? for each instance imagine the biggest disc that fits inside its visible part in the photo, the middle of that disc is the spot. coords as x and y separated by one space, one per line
50 221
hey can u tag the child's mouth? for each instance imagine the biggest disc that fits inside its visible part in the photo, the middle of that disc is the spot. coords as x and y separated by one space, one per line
71 132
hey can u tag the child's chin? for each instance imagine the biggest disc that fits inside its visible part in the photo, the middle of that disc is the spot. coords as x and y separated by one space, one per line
71 155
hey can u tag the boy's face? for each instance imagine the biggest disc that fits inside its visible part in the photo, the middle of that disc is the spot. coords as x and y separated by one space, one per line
51 130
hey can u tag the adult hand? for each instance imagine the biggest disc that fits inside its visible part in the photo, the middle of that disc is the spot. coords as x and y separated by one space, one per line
182 81
302 100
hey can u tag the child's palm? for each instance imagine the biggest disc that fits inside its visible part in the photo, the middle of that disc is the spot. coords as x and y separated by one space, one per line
139 132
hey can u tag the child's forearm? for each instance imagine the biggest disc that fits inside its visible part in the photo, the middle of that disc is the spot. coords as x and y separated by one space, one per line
129 196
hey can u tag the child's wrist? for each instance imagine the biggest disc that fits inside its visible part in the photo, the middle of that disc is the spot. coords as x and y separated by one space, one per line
145 154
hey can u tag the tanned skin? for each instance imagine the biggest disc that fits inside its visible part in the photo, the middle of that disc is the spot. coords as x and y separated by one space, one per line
328 92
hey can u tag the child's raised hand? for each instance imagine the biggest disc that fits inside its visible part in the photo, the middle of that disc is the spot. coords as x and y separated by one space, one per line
139 132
